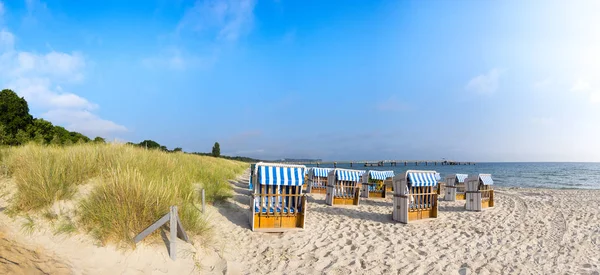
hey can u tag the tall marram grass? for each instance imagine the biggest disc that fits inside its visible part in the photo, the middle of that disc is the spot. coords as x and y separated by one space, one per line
133 187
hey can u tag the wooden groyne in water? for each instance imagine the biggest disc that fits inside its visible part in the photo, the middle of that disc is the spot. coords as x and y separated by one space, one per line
382 163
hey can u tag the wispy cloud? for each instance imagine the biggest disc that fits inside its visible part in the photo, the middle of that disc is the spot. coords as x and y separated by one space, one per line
584 87
216 22
392 104
176 59
38 78
581 85
223 19
1 11
485 83
36 10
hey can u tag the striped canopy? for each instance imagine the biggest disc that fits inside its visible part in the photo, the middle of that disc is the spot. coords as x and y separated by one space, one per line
420 179
486 179
320 172
381 175
275 175
461 177
349 175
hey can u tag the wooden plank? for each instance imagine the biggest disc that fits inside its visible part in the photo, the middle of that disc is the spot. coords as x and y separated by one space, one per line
151 228
180 231
173 229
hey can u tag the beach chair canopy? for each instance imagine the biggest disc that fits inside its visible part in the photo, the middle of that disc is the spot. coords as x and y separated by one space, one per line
381 175
421 179
461 177
278 174
348 175
320 172
438 177
486 179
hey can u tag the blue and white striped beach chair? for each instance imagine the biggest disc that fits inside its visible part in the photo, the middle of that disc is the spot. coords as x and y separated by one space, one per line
455 187
277 202
343 186
317 180
415 196
373 184
479 192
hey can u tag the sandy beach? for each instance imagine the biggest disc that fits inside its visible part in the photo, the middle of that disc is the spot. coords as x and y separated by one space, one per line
530 231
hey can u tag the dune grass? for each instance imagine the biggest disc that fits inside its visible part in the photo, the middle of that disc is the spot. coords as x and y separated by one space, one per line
133 187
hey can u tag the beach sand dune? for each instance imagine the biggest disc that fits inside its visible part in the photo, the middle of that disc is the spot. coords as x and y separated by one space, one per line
530 231
17 259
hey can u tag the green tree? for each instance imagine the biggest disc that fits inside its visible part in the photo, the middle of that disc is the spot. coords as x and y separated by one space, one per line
22 137
177 149
14 112
56 140
150 144
3 134
216 150
41 127
164 148
39 139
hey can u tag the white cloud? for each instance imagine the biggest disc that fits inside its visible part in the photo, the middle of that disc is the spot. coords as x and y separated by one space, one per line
84 121
226 19
581 85
1 10
485 83
176 59
37 78
585 88
7 41
392 104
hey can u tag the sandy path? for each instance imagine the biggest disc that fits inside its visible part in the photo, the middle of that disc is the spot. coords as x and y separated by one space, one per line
531 231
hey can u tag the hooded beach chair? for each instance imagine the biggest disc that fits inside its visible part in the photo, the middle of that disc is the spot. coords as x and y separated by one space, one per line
415 197
455 187
250 185
343 187
277 202
480 193
373 184
317 180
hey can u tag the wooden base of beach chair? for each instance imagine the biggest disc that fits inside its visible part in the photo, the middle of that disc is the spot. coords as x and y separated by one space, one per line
345 201
316 190
475 201
404 213
378 195
422 214
278 223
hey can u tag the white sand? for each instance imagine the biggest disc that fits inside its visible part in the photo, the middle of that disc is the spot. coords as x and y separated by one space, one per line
530 231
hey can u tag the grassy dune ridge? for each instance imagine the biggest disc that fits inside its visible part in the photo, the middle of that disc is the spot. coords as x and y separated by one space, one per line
130 187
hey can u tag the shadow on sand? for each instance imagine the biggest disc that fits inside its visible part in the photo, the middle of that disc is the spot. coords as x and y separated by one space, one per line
231 209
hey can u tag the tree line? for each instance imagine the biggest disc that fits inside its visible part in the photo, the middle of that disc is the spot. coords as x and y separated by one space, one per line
18 127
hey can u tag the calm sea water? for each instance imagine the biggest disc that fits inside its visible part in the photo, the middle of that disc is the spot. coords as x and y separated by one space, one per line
567 175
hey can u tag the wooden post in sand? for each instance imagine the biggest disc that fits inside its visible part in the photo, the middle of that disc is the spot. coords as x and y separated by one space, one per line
175 228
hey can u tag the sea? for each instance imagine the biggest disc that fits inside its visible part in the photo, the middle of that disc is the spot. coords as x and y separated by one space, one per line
558 175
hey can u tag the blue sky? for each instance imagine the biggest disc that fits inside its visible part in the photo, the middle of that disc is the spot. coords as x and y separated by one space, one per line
463 80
